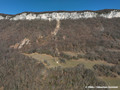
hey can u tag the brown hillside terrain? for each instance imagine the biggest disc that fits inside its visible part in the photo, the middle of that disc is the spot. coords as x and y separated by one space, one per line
95 37
59 54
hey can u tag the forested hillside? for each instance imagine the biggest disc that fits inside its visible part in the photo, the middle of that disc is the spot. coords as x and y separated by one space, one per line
65 54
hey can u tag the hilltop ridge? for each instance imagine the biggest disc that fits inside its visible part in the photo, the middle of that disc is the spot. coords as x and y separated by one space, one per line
53 15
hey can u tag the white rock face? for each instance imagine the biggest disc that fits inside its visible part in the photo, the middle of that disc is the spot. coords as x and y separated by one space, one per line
1 17
55 16
19 17
25 41
112 14
62 15
7 17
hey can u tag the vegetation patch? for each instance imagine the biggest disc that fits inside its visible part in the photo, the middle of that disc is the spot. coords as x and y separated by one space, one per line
111 81
56 61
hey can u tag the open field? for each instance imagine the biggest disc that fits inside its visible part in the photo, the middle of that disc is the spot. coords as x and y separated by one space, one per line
44 57
112 81
54 61
88 64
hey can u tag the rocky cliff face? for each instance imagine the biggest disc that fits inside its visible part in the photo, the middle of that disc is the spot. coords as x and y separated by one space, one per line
62 15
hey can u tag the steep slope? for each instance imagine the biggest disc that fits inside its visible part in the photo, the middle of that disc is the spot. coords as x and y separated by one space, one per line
58 42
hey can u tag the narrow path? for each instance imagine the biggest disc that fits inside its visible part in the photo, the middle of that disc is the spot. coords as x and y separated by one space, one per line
57 28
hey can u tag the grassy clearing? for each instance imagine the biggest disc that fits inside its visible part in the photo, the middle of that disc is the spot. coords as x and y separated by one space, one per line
42 57
88 64
112 81
54 61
